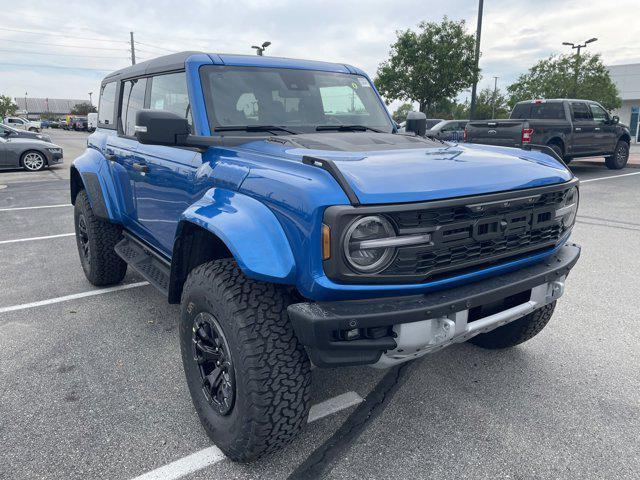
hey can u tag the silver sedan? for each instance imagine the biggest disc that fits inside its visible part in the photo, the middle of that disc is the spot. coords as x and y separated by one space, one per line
27 153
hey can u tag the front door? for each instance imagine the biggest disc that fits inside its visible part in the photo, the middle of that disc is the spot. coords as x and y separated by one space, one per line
583 129
605 137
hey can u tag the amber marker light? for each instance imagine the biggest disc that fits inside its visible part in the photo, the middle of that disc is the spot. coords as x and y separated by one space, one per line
326 242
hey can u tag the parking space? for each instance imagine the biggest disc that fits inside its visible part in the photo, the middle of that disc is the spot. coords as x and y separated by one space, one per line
92 387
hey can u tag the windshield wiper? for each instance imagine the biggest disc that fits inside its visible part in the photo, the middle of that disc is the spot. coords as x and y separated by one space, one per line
254 128
348 128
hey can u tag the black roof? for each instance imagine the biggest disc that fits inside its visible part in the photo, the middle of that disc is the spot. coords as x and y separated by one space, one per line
166 63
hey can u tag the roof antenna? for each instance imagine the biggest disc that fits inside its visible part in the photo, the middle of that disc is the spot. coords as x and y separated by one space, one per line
260 50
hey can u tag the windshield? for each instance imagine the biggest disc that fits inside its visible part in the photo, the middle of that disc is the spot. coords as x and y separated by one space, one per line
300 101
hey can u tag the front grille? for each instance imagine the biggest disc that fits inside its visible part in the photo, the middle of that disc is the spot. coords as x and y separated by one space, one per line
466 236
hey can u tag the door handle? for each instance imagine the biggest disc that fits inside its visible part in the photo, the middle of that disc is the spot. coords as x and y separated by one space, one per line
139 167
597 129
578 129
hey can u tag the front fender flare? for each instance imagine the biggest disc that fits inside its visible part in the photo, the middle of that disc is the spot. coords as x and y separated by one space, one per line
251 232
92 170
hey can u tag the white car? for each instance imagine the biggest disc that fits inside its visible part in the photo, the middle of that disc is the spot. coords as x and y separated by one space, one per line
92 122
23 124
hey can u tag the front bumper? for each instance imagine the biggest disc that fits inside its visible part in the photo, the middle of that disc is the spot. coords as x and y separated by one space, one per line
419 324
55 158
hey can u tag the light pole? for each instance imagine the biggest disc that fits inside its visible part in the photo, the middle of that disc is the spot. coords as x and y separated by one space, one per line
495 96
26 109
90 101
260 50
577 48
472 108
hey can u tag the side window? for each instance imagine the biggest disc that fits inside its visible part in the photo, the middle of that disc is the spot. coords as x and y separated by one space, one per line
580 111
548 110
341 100
599 114
107 105
169 93
132 100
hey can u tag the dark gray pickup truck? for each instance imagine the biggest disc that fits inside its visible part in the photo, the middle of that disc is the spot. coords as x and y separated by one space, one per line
572 128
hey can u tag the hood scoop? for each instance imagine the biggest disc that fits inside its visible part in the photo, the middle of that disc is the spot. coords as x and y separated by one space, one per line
356 141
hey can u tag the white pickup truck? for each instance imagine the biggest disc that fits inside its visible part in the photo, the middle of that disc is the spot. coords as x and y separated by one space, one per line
23 124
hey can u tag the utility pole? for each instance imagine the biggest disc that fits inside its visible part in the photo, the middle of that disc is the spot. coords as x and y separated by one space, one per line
472 112
133 50
577 48
495 97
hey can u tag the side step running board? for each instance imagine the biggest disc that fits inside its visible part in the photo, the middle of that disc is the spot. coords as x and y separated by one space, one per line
146 262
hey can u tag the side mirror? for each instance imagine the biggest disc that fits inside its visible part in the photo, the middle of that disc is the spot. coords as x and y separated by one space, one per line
615 120
416 123
158 127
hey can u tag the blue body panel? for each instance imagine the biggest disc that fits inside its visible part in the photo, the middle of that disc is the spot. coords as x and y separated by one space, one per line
267 206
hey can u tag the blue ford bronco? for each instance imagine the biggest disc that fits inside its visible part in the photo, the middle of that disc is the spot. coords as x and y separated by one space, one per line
275 201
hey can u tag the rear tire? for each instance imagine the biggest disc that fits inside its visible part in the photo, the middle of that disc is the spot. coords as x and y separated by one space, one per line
620 156
256 399
516 332
96 239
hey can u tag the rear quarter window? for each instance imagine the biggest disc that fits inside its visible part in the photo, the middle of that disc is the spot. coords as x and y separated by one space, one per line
521 110
106 105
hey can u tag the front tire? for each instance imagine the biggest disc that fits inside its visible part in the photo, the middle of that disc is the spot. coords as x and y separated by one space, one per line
248 375
33 161
619 158
96 239
516 332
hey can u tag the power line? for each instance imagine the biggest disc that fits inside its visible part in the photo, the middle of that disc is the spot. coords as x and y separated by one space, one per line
60 54
62 45
34 65
154 46
44 33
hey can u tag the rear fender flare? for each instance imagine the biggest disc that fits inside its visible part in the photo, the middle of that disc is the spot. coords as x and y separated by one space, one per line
251 232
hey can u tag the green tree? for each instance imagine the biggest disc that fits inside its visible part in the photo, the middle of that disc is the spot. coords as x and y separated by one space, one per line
400 115
555 77
485 104
7 107
83 109
430 65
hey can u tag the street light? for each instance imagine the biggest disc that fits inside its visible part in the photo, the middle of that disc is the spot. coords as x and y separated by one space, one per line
90 94
577 48
260 50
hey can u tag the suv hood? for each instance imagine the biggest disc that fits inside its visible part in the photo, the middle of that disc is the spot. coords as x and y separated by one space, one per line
390 168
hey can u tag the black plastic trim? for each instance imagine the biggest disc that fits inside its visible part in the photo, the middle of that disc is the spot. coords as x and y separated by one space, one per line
335 172
94 190
315 322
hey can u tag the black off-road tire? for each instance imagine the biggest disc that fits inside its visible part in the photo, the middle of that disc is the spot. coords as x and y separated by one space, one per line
271 370
516 332
619 158
101 264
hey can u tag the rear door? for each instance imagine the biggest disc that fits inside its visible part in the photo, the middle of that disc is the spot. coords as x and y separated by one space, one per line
583 128
167 185
605 135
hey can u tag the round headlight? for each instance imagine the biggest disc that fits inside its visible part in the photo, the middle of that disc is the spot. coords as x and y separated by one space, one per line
361 250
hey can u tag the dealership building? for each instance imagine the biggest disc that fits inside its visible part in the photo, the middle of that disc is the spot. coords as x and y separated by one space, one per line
34 108
627 79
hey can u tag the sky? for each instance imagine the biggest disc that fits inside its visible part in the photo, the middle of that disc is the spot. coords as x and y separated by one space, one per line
62 49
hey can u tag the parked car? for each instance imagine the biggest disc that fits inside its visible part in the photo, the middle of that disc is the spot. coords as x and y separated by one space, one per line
23 124
293 230
7 131
28 153
452 130
79 124
92 122
571 128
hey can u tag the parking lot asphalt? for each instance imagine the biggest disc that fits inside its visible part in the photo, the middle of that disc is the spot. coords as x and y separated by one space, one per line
92 387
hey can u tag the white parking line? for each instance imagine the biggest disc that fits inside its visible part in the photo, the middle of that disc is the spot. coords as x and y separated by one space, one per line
75 296
17 240
608 177
212 455
34 208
